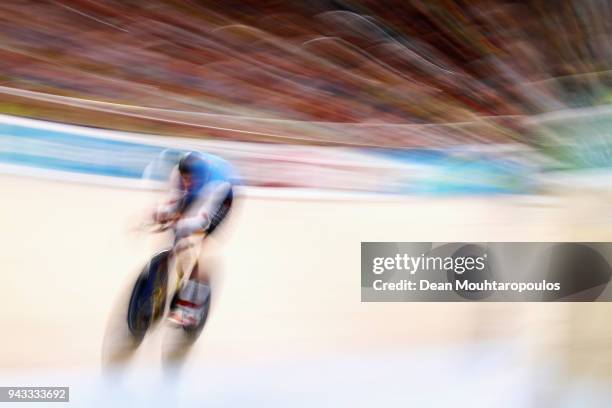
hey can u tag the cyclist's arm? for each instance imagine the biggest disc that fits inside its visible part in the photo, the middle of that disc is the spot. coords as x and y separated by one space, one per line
169 207
214 194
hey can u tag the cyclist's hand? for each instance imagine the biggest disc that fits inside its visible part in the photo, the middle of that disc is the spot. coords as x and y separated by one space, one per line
163 216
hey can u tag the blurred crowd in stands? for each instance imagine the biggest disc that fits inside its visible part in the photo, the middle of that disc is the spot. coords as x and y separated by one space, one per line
388 73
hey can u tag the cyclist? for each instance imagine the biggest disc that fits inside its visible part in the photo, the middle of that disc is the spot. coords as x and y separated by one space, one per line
201 198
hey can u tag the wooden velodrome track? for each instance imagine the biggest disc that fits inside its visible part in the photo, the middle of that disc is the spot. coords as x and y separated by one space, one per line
287 279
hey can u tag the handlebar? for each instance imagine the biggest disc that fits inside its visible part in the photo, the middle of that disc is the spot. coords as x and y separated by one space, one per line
156 227
179 244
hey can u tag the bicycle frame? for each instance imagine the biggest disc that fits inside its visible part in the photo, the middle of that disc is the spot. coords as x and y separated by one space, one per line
158 284
183 258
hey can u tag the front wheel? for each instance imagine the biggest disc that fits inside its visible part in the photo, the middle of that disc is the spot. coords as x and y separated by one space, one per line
148 297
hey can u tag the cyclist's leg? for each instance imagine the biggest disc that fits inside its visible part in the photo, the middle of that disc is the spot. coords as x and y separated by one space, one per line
194 294
217 217
222 212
